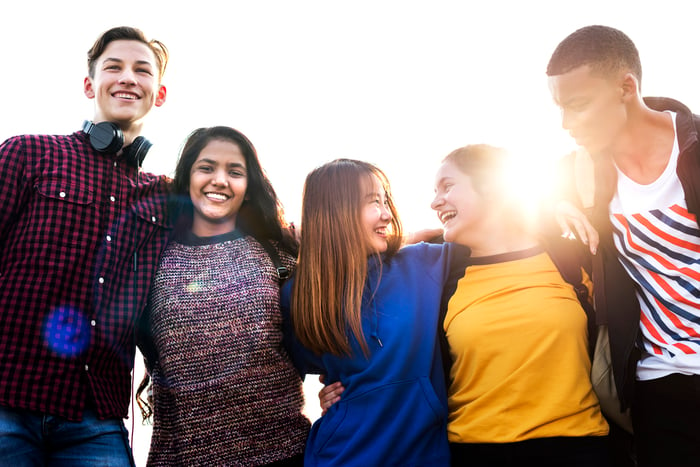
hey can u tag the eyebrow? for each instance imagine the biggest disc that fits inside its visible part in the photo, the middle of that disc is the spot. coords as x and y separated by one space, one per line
442 180
119 60
575 99
213 162
374 194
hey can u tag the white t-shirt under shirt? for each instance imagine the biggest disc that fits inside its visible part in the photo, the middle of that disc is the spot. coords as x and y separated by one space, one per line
658 241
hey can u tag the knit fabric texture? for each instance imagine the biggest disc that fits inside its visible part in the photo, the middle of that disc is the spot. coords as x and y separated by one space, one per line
224 388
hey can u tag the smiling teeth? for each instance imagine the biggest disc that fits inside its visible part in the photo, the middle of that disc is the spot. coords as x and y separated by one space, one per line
217 196
447 216
122 95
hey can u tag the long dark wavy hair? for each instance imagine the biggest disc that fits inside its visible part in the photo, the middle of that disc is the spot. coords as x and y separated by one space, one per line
261 214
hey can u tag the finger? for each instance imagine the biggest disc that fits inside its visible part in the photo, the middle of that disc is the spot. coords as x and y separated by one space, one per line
330 392
327 405
581 230
592 235
564 227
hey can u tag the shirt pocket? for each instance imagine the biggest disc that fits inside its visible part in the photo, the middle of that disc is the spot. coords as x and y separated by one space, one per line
152 216
65 191
66 209
152 219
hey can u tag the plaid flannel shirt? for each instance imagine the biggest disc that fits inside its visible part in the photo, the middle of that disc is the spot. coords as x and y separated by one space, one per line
71 221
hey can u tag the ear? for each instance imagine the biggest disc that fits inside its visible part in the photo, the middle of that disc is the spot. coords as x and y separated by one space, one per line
630 86
88 89
160 96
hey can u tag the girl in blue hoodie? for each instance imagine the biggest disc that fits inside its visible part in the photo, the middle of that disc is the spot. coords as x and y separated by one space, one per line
364 312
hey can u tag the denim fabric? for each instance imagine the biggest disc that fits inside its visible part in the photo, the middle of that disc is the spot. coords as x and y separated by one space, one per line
28 439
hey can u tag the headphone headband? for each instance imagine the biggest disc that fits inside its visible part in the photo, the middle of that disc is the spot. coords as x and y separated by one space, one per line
107 137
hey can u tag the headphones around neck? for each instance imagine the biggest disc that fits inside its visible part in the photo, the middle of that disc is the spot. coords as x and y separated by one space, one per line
107 137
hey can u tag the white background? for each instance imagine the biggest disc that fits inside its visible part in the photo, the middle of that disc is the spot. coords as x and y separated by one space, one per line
397 83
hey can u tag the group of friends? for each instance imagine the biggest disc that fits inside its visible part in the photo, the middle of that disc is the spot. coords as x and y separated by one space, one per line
468 350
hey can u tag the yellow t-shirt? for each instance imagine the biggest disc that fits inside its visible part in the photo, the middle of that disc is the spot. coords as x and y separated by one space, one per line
518 339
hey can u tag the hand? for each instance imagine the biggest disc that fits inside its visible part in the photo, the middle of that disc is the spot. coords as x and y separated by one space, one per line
329 395
424 235
571 219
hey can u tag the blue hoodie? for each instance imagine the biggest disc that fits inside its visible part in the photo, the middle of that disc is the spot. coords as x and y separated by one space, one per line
394 407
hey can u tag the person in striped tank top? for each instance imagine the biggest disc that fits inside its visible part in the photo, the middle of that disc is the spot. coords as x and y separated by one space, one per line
644 167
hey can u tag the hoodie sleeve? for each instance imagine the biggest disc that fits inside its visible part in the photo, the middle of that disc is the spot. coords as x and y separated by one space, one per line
304 360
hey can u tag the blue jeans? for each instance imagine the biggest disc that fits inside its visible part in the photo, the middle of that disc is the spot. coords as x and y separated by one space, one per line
29 439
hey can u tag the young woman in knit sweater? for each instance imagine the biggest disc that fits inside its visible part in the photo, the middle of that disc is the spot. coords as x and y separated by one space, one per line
225 391
365 313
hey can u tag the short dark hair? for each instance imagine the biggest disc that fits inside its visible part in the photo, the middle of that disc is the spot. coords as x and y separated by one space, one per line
604 49
129 34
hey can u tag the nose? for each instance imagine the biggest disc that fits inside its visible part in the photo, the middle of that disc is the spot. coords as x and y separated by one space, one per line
127 77
437 202
385 213
219 178
566 120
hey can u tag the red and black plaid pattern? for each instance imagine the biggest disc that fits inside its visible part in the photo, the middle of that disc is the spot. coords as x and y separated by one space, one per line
71 221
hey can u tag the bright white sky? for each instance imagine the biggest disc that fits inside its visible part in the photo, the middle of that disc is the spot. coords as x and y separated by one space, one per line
398 83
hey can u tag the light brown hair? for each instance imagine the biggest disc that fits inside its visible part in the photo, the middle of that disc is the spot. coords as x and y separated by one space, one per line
332 266
128 34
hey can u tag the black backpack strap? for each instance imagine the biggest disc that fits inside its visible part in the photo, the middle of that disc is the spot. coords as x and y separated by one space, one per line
570 259
458 264
282 271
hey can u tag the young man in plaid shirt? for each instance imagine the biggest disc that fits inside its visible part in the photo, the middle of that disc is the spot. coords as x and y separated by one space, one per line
81 229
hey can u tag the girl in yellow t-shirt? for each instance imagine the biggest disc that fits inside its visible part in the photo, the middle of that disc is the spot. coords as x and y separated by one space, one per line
520 390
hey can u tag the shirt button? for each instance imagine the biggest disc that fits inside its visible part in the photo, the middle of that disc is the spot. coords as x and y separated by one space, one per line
153 218
101 280
86 368
62 194
109 238
115 163
112 198
93 323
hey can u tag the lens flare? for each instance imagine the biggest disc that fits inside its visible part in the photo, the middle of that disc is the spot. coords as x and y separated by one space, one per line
67 331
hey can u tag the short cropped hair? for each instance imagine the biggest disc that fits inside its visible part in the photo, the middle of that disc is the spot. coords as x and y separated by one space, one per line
606 50
129 34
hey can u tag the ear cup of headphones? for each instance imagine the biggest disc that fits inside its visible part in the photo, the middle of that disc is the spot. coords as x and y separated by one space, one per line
104 136
136 152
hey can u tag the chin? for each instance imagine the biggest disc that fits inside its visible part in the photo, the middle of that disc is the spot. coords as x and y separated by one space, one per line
448 235
380 247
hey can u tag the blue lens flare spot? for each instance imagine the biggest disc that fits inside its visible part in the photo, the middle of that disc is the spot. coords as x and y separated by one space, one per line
67 331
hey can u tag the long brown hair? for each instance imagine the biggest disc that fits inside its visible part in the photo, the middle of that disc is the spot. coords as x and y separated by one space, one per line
332 267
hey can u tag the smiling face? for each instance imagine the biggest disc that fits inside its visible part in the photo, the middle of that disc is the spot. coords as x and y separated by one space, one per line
126 84
376 216
593 108
458 205
218 184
